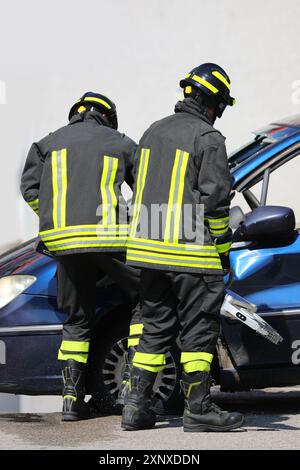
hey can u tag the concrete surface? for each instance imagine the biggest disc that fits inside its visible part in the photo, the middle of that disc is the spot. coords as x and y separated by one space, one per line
272 422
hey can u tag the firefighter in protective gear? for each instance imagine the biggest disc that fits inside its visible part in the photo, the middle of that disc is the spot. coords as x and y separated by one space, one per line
179 237
72 179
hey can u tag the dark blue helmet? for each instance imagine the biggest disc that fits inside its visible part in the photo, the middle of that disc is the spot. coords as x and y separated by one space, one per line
100 102
211 80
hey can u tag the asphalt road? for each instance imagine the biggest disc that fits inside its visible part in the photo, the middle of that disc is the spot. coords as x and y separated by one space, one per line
272 422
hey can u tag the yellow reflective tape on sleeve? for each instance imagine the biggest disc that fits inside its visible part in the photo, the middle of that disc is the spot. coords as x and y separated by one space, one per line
150 359
196 356
221 78
75 346
196 366
54 186
220 231
136 329
187 75
205 83
34 203
141 180
97 100
79 357
217 222
223 247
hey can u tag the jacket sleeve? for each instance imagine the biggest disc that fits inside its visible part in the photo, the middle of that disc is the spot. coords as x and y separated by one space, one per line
214 181
130 147
31 177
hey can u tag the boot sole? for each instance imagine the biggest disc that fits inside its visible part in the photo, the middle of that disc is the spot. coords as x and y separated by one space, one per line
128 427
208 427
128 420
75 417
71 417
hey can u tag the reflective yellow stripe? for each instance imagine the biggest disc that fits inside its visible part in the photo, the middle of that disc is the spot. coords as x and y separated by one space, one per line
217 222
113 196
163 244
187 75
54 186
59 185
180 196
218 231
166 249
34 203
196 356
109 199
205 83
133 342
175 196
221 78
149 359
103 187
80 357
86 239
70 396
141 180
136 329
174 263
196 366
96 230
150 368
75 346
223 247
97 100
90 242
176 260
64 187
171 197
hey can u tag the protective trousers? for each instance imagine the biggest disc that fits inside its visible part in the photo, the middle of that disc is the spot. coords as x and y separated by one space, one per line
78 276
184 304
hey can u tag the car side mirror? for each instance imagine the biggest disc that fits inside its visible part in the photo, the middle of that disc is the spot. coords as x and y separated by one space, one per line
268 222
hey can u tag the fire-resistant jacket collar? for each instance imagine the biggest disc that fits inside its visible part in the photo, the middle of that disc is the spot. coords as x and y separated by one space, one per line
93 116
189 105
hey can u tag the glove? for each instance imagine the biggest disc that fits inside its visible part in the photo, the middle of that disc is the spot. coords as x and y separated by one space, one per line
225 261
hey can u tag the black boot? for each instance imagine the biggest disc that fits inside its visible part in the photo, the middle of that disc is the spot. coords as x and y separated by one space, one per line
124 389
137 413
200 413
74 406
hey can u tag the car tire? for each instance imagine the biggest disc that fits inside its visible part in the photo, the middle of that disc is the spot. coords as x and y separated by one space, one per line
106 367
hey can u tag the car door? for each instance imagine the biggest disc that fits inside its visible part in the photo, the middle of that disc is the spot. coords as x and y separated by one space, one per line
268 274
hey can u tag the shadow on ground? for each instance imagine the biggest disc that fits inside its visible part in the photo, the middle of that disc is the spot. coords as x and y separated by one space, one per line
267 410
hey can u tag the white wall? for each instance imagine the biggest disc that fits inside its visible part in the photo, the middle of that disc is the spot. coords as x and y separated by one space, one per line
135 51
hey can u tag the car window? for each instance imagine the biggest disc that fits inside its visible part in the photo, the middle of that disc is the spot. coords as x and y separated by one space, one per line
284 187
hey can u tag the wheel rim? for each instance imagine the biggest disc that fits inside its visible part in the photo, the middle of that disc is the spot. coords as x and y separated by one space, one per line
114 366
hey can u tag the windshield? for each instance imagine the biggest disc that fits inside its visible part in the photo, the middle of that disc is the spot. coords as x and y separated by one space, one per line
248 151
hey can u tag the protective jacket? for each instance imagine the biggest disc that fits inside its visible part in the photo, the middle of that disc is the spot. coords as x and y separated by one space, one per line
180 216
72 179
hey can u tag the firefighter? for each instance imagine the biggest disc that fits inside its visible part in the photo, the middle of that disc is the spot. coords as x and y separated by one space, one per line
180 238
72 179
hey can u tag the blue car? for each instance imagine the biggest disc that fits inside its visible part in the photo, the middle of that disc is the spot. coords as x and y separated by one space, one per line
265 257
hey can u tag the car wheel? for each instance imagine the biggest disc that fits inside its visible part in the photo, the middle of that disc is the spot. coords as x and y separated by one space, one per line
106 368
